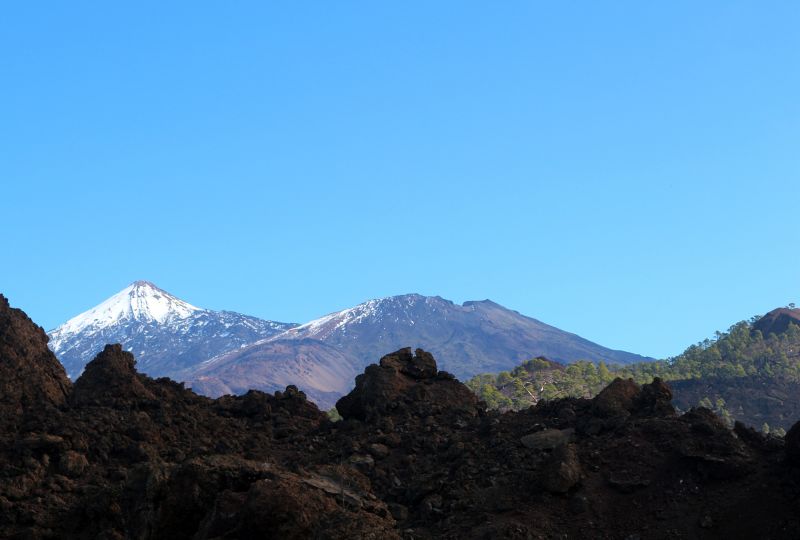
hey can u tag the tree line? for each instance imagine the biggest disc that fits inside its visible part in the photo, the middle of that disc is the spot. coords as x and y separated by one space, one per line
742 351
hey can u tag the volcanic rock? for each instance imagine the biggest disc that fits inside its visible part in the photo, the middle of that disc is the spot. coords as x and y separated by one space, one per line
72 464
121 455
547 439
562 470
30 375
110 379
403 384
655 399
618 398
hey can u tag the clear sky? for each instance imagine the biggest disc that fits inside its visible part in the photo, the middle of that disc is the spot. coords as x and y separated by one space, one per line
629 171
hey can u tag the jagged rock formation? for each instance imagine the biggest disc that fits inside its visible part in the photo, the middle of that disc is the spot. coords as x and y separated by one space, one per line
407 383
121 455
31 378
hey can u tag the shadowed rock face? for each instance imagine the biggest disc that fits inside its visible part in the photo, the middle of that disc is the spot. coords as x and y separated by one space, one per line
120 455
110 379
30 375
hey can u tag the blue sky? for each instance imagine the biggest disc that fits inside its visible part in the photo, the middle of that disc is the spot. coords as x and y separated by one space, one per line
627 171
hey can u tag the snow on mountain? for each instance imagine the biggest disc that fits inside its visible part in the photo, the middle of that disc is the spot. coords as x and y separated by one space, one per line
379 314
221 351
477 336
165 333
141 301
467 339
392 309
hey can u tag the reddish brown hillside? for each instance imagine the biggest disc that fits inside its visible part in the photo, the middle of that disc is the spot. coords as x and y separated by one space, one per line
777 321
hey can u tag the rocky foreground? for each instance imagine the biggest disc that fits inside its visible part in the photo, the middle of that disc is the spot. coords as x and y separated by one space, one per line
120 455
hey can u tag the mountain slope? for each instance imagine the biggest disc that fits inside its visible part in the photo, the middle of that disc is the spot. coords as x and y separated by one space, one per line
472 338
166 333
322 371
751 373
777 321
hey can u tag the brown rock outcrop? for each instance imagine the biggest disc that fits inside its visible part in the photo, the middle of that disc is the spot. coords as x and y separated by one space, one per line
110 379
30 375
403 383
120 455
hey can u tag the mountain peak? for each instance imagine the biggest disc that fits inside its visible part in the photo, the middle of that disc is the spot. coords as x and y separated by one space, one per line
140 301
166 333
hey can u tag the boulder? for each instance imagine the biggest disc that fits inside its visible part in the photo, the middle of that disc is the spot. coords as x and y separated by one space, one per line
419 366
562 470
617 399
655 399
548 439
403 384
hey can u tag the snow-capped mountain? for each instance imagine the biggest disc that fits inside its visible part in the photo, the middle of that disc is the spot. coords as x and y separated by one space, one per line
165 333
468 339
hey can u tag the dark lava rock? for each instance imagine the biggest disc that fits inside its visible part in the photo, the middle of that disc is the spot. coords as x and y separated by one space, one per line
562 471
624 397
291 506
403 384
617 399
72 464
110 379
548 439
30 375
655 399
120 455
420 366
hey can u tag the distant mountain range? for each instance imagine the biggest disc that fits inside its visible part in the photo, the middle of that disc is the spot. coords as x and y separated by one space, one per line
225 352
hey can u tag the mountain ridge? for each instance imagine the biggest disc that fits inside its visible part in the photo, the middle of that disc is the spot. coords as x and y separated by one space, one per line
219 352
468 338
